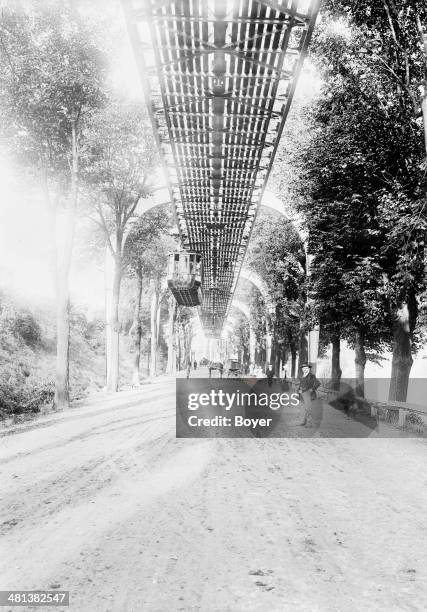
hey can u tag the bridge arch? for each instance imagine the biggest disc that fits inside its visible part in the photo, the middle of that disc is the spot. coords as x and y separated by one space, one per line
271 201
256 280
244 309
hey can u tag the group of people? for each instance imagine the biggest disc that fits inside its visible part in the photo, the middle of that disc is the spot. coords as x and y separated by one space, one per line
307 384
189 367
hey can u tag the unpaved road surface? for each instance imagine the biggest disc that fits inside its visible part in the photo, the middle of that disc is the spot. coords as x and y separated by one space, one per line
103 501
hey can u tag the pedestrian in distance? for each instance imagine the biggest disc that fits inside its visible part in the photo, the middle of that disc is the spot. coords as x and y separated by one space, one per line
284 383
307 385
195 365
270 374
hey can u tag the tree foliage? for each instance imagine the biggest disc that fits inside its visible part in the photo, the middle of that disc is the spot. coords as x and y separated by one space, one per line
148 244
120 160
52 79
365 176
277 254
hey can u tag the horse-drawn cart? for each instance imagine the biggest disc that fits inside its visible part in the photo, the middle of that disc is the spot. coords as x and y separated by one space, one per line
234 368
215 365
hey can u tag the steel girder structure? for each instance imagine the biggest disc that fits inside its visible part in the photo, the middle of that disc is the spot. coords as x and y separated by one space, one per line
219 77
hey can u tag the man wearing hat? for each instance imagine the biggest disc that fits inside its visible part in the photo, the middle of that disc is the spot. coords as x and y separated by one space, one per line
308 384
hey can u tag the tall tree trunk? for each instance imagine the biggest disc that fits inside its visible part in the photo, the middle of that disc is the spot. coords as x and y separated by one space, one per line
424 111
336 369
252 346
153 328
423 88
268 347
178 348
62 378
159 310
293 359
277 354
403 327
137 329
187 346
63 265
246 356
313 347
171 336
303 349
360 362
114 323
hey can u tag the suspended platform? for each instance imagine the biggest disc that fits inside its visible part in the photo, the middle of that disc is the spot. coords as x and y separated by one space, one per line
185 278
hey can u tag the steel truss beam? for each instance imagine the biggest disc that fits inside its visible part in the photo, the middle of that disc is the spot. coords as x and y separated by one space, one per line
217 108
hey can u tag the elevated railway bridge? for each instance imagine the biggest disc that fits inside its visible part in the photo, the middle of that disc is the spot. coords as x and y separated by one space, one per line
218 78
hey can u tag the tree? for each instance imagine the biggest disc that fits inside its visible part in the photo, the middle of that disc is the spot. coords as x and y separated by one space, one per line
393 67
53 75
396 37
185 335
145 258
240 339
277 254
346 275
364 171
121 158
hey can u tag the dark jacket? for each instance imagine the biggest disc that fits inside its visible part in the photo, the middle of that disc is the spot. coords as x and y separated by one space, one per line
308 383
269 373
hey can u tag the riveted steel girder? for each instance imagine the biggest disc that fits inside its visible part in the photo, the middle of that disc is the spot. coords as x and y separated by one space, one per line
219 77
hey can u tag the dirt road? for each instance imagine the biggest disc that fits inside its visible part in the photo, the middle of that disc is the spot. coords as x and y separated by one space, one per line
103 501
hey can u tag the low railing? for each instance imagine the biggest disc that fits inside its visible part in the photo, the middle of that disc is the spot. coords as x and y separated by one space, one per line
403 409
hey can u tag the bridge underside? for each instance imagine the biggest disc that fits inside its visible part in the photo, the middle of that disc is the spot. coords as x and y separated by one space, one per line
219 76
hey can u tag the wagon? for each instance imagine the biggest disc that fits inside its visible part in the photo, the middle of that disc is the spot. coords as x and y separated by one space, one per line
234 368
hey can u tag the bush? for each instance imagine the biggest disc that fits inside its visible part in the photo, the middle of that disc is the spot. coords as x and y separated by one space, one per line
87 355
25 326
17 397
415 422
27 355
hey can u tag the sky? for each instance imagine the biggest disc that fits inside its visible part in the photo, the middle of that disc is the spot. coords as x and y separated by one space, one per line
25 266
24 241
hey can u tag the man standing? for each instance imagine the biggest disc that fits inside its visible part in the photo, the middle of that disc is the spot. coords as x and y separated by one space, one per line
270 374
308 384
284 379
